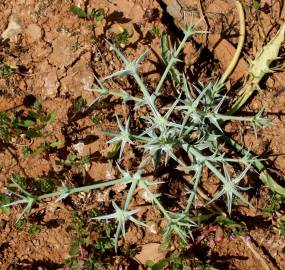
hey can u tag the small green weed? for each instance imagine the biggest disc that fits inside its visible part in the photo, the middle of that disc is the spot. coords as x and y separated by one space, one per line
273 204
256 6
21 224
78 11
74 161
6 71
34 230
281 225
230 226
43 147
30 124
80 232
4 199
18 181
271 210
173 262
40 185
177 261
97 14
84 250
121 38
78 106
155 31
97 119
43 185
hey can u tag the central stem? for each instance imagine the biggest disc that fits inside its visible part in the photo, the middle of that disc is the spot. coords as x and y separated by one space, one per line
171 62
86 188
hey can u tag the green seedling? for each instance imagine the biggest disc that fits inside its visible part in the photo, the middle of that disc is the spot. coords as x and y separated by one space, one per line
172 262
166 56
44 185
80 237
78 105
6 71
106 241
98 14
92 262
80 232
34 230
43 147
177 262
97 119
74 161
256 16
31 125
121 38
4 199
78 11
21 224
281 225
273 204
18 181
155 31
271 211
237 228
256 4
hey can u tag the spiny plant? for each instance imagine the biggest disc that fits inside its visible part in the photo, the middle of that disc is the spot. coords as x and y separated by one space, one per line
192 125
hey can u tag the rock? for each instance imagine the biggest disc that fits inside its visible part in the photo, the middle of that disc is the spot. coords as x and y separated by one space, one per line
151 252
42 52
51 84
33 33
62 55
14 28
79 78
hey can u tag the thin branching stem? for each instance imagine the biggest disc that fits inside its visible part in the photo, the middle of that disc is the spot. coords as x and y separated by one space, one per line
264 175
146 94
156 201
234 118
115 94
236 56
172 62
193 193
131 193
86 188
209 164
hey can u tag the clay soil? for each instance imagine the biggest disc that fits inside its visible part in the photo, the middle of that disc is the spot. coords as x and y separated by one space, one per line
58 54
